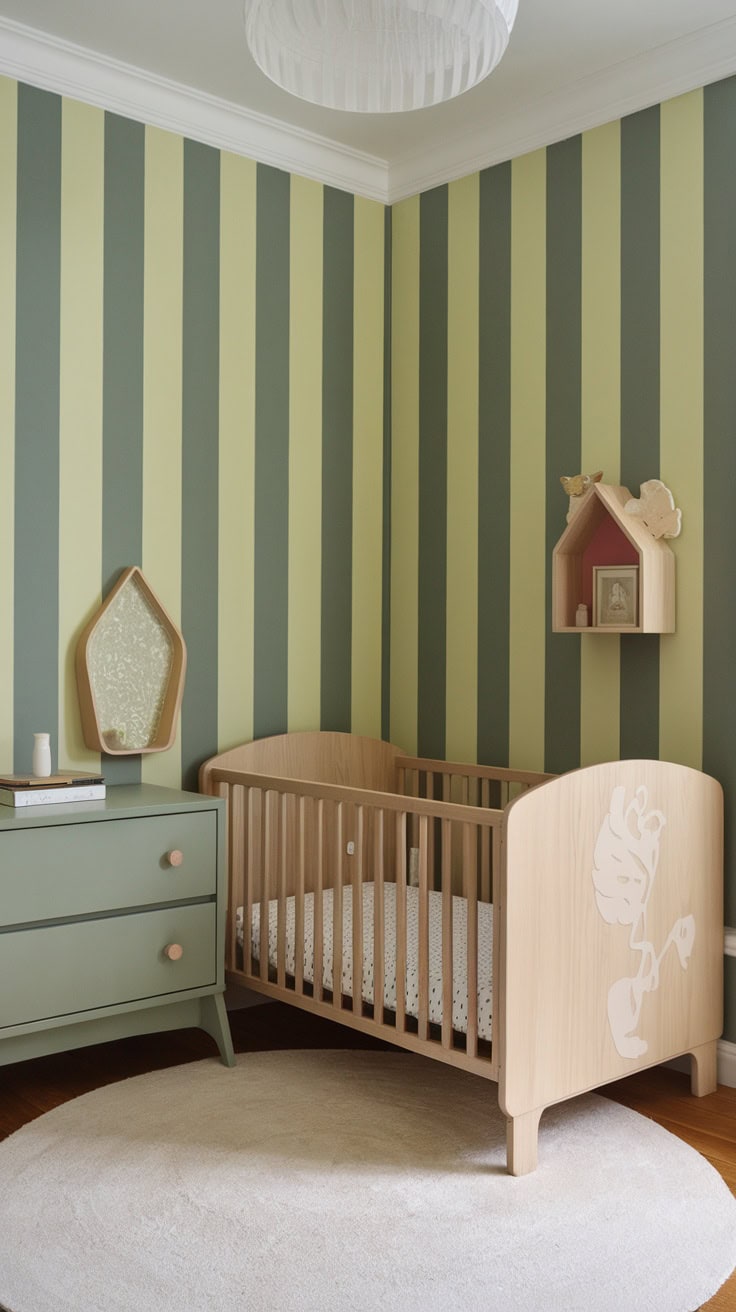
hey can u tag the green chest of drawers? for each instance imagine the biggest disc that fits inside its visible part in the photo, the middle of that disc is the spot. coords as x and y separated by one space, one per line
112 920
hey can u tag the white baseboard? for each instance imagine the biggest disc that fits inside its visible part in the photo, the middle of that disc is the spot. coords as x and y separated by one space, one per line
727 1063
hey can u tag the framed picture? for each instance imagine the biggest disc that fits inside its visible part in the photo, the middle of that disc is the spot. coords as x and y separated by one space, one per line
616 596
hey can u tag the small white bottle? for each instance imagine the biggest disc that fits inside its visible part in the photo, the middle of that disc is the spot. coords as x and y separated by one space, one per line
581 616
41 755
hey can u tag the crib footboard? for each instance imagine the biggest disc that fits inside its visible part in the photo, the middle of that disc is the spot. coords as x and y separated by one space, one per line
611 921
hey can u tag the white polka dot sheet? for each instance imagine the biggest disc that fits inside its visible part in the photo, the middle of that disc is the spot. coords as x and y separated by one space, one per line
459 950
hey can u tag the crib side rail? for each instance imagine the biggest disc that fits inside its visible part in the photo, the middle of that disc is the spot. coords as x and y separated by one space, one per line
303 851
468 784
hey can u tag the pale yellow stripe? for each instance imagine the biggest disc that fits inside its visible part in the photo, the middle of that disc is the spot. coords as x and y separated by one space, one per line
462 470
600 667
162 389
305 454
405 474
237 450
80 405
367 596
681 420
8 172
528 454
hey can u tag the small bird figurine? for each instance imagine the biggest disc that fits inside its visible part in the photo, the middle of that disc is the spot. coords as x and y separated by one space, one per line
576 485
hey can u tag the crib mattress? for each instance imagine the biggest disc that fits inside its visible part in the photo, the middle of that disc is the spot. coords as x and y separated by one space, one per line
459 950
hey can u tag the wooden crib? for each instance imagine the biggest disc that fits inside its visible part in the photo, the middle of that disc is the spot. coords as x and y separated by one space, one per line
549 934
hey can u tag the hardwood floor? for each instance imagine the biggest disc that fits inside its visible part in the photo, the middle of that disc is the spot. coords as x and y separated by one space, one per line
30 1088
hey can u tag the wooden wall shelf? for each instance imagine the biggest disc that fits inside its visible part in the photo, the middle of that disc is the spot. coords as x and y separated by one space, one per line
130 663
602 533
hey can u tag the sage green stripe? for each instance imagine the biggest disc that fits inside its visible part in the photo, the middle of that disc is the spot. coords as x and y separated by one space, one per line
122 386
337 460
564 290
271 588
600 663
432 599
494 464
640 384
528 548
387 357
719 572
8 266
36 585
200 442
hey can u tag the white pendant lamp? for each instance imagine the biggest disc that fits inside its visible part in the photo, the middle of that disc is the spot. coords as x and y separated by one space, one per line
378 56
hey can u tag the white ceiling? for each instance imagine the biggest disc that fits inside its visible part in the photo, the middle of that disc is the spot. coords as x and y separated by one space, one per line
184 64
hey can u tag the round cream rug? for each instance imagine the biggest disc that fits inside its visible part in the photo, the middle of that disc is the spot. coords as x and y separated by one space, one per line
340 1181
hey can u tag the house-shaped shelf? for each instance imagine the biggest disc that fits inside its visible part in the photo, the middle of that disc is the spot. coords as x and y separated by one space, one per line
601 532
130 662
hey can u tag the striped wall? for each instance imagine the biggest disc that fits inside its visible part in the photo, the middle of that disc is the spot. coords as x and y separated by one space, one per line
572 310
332 434
191 380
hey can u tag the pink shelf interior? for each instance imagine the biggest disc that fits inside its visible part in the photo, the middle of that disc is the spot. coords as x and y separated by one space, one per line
608 545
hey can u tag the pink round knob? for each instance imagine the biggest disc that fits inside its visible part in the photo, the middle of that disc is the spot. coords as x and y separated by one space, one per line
173 951
175 858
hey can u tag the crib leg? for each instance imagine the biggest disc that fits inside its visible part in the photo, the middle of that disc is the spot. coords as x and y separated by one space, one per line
215 1022
703 1066
521 1142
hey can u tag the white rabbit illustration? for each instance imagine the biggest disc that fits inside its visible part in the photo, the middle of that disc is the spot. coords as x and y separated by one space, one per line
624 868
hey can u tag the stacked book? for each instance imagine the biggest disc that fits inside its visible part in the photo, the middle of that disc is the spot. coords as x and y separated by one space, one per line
68 786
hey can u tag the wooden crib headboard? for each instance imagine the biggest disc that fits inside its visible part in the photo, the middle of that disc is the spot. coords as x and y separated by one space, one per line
611 907
321 756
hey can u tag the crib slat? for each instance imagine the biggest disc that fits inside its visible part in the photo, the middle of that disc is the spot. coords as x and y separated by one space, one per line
485 845
470 884
446 787
268 800
299 898
495 860
236 859
281 909
357 887
400 834
378 917
423 1008
252 879
337 913
496 941
447 964
319 951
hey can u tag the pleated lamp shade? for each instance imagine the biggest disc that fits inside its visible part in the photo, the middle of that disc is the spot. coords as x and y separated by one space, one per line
378 56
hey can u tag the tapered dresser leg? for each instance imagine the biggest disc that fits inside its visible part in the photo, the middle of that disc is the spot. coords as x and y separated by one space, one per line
215 1022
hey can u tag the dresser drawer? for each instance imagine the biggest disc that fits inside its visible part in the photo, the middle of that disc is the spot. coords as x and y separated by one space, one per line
59 970
78 869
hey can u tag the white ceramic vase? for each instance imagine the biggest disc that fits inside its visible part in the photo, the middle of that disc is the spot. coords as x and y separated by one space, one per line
41 755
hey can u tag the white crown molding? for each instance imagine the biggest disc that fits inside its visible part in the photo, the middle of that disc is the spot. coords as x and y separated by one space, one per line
647 79
70 70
